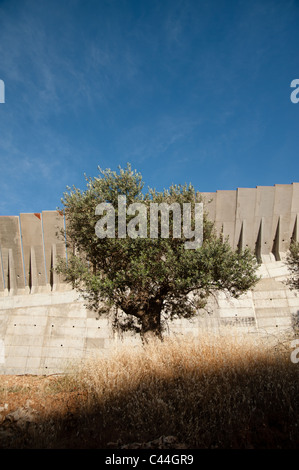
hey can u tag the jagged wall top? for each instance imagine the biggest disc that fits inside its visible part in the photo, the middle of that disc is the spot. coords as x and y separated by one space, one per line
265 219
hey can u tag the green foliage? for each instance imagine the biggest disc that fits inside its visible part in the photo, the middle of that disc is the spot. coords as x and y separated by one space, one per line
148 280
293 265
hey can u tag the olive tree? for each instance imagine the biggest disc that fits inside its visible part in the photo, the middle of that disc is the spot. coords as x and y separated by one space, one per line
292 261
147 279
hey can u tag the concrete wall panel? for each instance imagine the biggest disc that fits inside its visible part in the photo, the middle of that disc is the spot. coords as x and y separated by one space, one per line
209 201
54 243
12 269
264 216
33 249
282 218
2 282
245 213
226 213
294 223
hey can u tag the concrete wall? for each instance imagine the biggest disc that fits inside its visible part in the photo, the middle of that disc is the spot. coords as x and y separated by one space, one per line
264 218
44 325
29 245
47 332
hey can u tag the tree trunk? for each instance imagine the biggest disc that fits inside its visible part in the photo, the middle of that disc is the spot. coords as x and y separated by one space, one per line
148 314
151 323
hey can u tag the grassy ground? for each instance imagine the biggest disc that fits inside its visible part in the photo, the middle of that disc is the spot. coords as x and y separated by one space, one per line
218 391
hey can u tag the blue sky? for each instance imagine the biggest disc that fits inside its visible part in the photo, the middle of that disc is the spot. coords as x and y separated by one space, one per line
186 91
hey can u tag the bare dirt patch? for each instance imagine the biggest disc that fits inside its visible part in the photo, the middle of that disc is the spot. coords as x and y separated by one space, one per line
28 405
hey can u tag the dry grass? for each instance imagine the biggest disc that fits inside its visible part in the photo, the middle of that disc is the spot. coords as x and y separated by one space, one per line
223 391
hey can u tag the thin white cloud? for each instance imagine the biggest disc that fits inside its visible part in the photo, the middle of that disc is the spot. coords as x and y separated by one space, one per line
151 142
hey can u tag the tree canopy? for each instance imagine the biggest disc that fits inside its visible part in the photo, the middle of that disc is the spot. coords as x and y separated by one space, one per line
145 281
292 261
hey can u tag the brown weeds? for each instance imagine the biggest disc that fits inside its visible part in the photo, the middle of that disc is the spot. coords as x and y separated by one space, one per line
216 391
226 390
